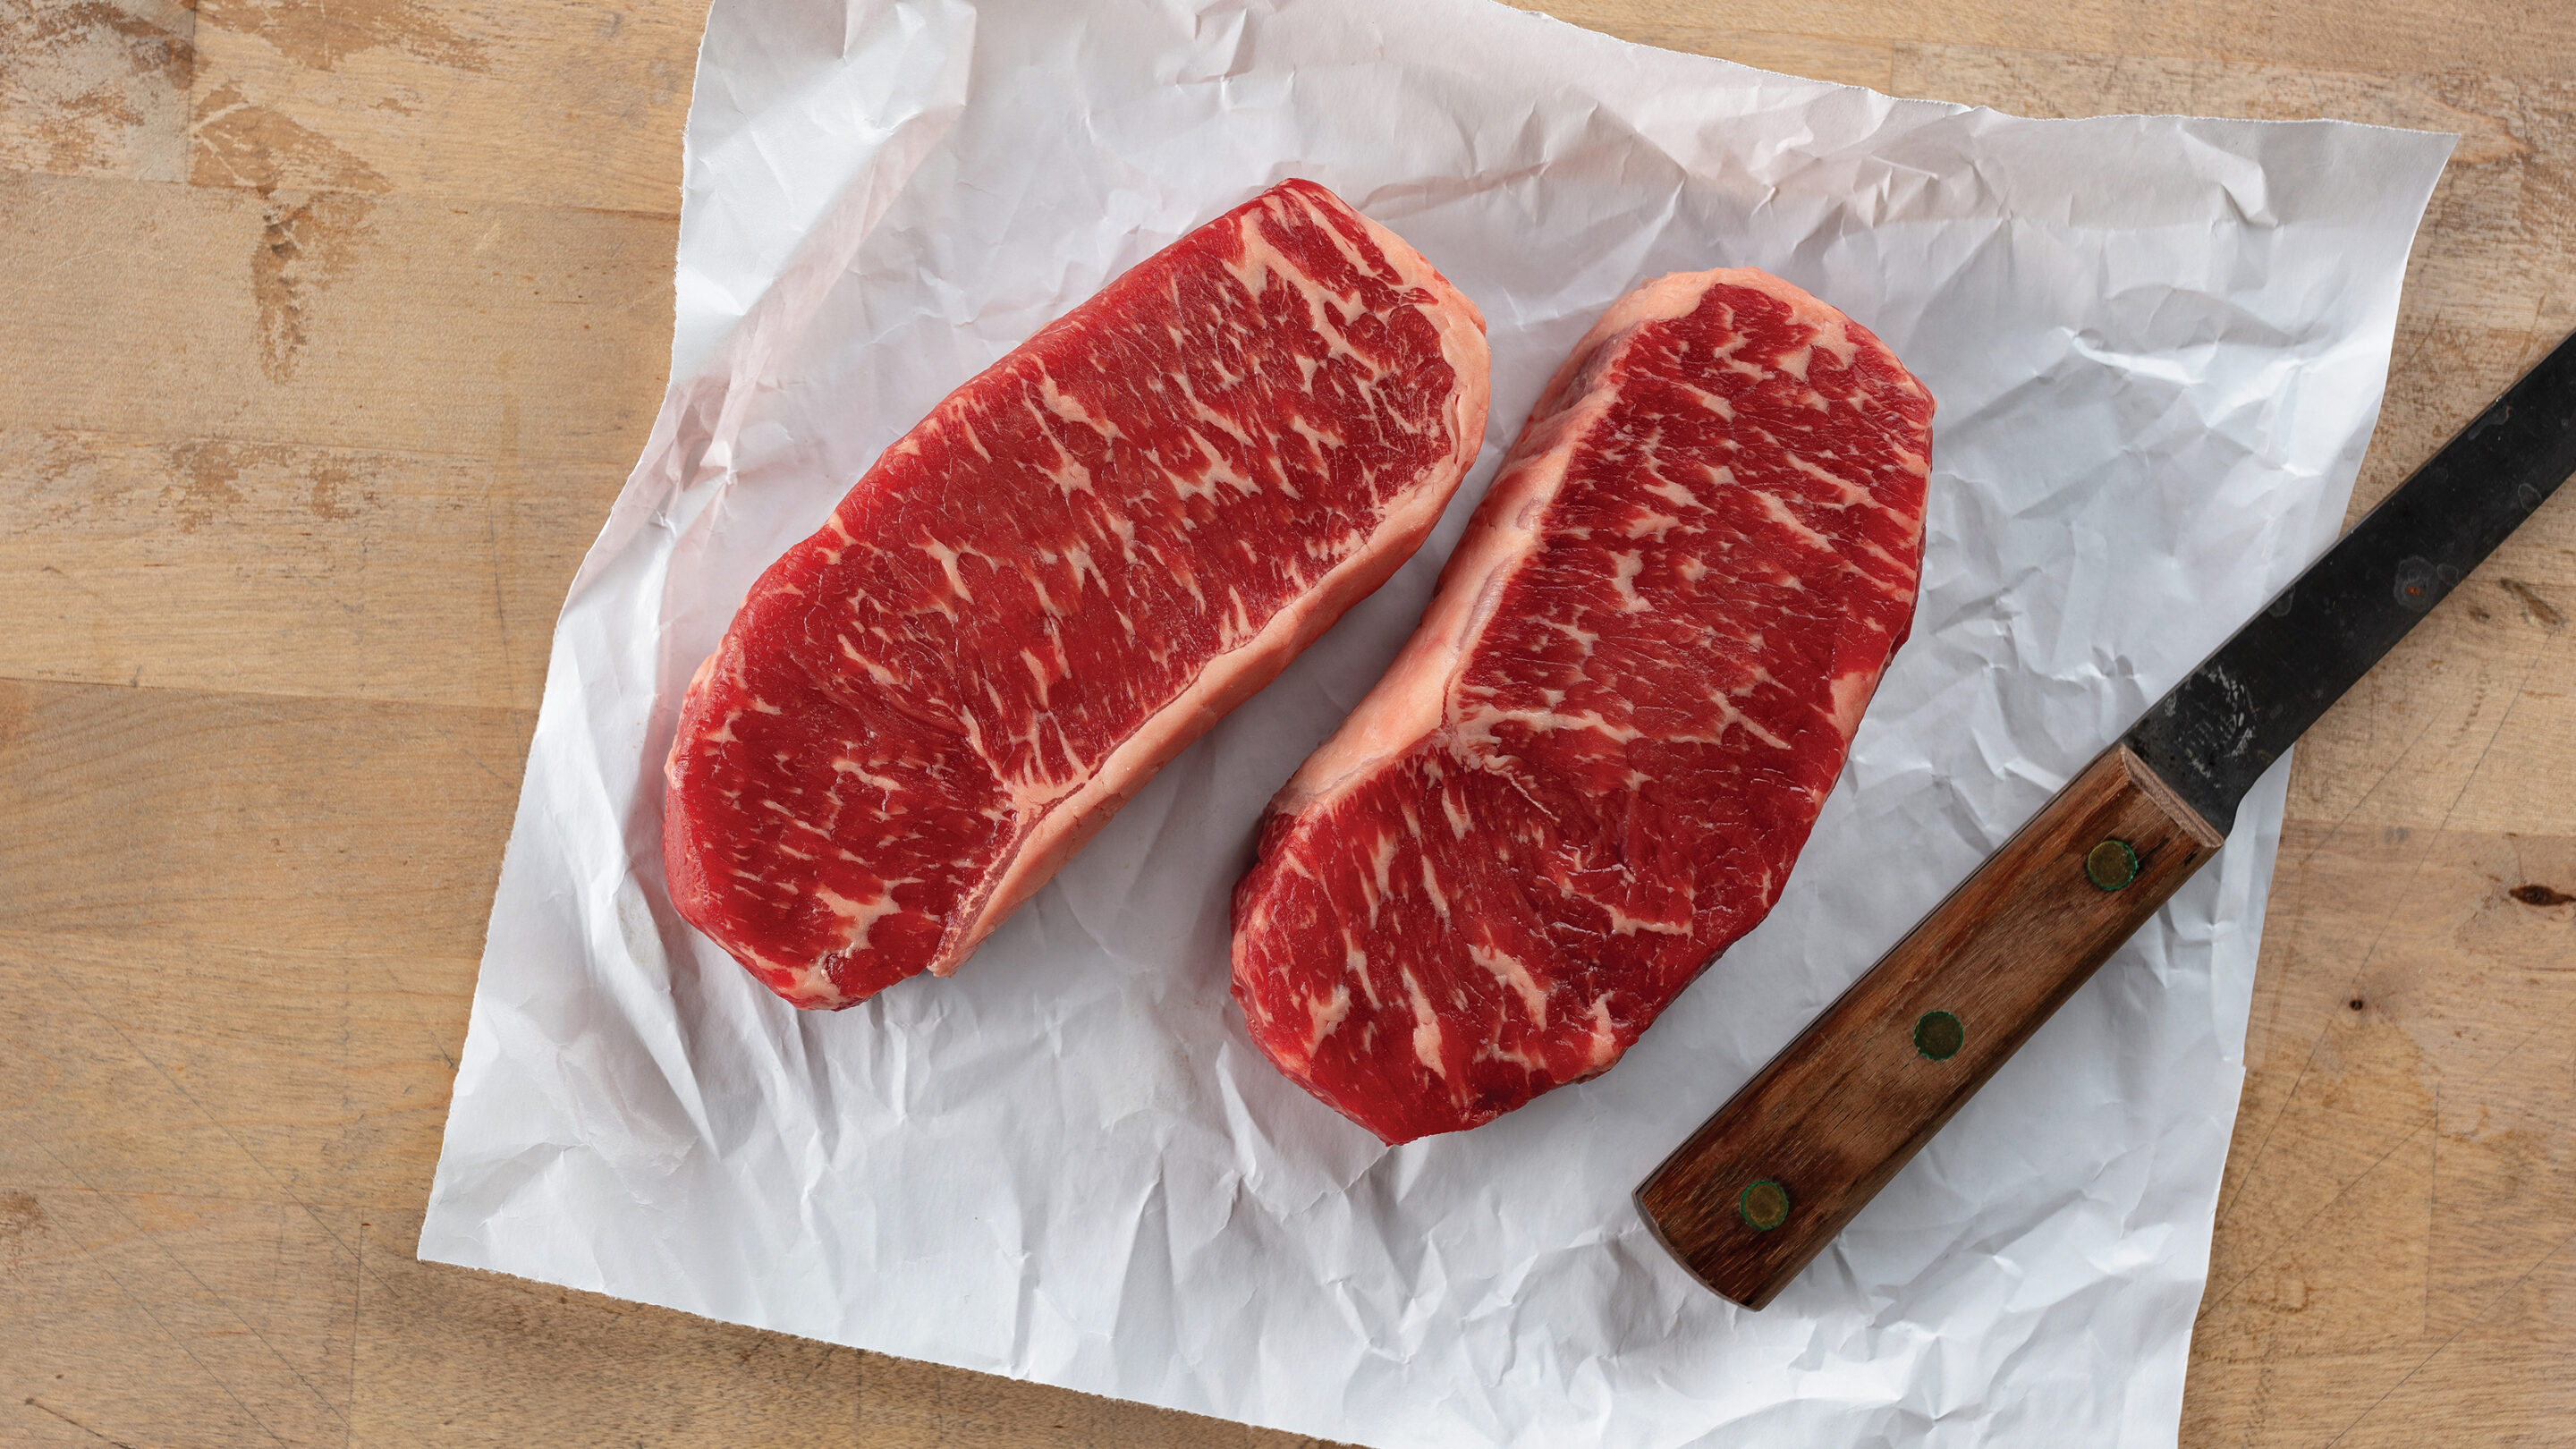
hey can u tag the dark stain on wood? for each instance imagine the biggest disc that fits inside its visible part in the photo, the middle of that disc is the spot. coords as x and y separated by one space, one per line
305 246
242 144
322 36
2534 607
319 208
207 473
21 1218
216 476
95 86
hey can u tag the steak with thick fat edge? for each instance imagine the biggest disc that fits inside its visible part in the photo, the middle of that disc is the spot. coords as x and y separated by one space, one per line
1593 765
1082 559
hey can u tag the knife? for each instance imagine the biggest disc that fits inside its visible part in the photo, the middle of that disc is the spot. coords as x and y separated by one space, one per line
1764 1185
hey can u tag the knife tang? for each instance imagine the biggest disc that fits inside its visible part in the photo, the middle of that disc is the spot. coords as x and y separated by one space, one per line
1767 1183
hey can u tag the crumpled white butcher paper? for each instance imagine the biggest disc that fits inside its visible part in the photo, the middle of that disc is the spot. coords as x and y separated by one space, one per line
2158 345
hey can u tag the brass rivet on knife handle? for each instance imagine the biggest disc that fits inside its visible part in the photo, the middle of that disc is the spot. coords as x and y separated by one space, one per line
1938 1035
2111 865
1763 1204
1838 1116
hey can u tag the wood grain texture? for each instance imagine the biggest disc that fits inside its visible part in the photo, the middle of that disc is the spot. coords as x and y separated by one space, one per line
1848 1103
327 332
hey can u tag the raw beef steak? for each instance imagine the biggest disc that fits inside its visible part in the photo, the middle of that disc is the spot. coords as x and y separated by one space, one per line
1592 766
1074 566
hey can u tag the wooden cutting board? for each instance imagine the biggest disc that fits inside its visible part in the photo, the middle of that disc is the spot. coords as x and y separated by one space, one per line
327 332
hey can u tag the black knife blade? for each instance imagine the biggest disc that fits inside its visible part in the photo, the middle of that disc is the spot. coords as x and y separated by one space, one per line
2230 718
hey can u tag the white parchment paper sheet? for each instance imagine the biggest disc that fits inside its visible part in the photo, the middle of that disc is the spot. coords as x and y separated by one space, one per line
2158 345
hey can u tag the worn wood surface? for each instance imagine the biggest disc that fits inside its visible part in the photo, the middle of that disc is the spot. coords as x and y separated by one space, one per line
327 331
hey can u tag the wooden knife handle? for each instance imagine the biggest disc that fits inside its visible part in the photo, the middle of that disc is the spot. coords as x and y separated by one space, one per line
1765 1184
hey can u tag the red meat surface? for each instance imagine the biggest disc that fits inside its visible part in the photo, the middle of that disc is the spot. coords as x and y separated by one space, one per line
1593 765
1075 565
